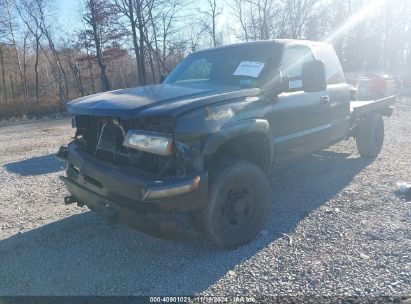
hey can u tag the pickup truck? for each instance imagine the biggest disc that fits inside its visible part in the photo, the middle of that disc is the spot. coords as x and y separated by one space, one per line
204 141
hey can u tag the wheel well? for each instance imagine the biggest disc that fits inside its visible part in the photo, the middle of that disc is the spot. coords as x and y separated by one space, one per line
253 147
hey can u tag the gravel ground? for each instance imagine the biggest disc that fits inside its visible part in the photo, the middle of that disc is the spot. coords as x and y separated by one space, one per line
339 227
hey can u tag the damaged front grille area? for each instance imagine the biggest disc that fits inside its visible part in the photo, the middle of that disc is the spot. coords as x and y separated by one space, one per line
104 136
109 146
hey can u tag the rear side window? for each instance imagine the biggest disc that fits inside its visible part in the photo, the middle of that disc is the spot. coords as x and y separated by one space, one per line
332 65
293 59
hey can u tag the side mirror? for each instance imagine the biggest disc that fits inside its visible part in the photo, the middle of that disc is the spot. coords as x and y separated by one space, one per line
162 78
285 83
313 76
279 83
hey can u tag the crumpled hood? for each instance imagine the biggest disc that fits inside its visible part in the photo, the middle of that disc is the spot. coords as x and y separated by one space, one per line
164 99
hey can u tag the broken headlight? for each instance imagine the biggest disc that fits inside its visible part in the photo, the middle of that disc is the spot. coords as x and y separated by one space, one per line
152 142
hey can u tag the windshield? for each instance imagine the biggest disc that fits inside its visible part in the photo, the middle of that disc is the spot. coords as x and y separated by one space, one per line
242 66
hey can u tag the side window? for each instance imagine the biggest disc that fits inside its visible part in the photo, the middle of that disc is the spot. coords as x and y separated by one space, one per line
332 65
293 59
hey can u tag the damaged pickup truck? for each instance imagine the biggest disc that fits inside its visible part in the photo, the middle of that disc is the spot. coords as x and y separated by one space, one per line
204 142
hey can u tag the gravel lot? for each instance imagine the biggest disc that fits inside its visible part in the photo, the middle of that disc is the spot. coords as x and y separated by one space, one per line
339 227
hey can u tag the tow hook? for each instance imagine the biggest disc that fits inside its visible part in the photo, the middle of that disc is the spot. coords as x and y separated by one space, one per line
69 200
111 215
62 153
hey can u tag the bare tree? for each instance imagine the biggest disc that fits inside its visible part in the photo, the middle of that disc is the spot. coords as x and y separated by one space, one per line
84 42
9 7
194 33
210 24
97 16
238 9
33 27
133 10
33 14
3 19
297 14
164 20
34 63
3 35
259 19
71 56
3 73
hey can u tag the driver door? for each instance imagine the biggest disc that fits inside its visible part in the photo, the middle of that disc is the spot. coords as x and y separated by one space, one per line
300 121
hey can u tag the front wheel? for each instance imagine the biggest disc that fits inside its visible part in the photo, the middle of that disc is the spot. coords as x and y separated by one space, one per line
239 203
370 136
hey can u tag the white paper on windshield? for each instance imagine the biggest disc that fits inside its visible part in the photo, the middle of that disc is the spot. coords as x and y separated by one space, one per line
249 68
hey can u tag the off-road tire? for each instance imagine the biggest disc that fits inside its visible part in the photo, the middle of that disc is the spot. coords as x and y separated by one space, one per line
243 187
370 136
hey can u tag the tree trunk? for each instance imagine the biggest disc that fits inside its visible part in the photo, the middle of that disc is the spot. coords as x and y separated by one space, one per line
80 79
15 48
74 67
153 72
36 68
105 84
141 38
92 21
25 65
13 93
90 70
133 25
3 75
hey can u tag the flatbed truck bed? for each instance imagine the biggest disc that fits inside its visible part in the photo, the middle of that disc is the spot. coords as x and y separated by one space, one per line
360 108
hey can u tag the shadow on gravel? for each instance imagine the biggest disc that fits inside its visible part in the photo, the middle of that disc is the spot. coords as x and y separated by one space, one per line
81 255
36 166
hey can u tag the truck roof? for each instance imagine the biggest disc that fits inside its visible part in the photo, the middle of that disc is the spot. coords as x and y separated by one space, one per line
267 42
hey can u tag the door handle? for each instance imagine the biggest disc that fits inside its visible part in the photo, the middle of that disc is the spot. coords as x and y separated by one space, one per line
325 99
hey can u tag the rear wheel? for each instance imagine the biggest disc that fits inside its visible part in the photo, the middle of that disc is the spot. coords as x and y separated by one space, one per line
370 136
239 203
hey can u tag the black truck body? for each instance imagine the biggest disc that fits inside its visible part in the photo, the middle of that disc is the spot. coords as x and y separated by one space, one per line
248 107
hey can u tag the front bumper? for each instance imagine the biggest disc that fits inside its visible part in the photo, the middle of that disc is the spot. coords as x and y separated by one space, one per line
117 214
92 182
